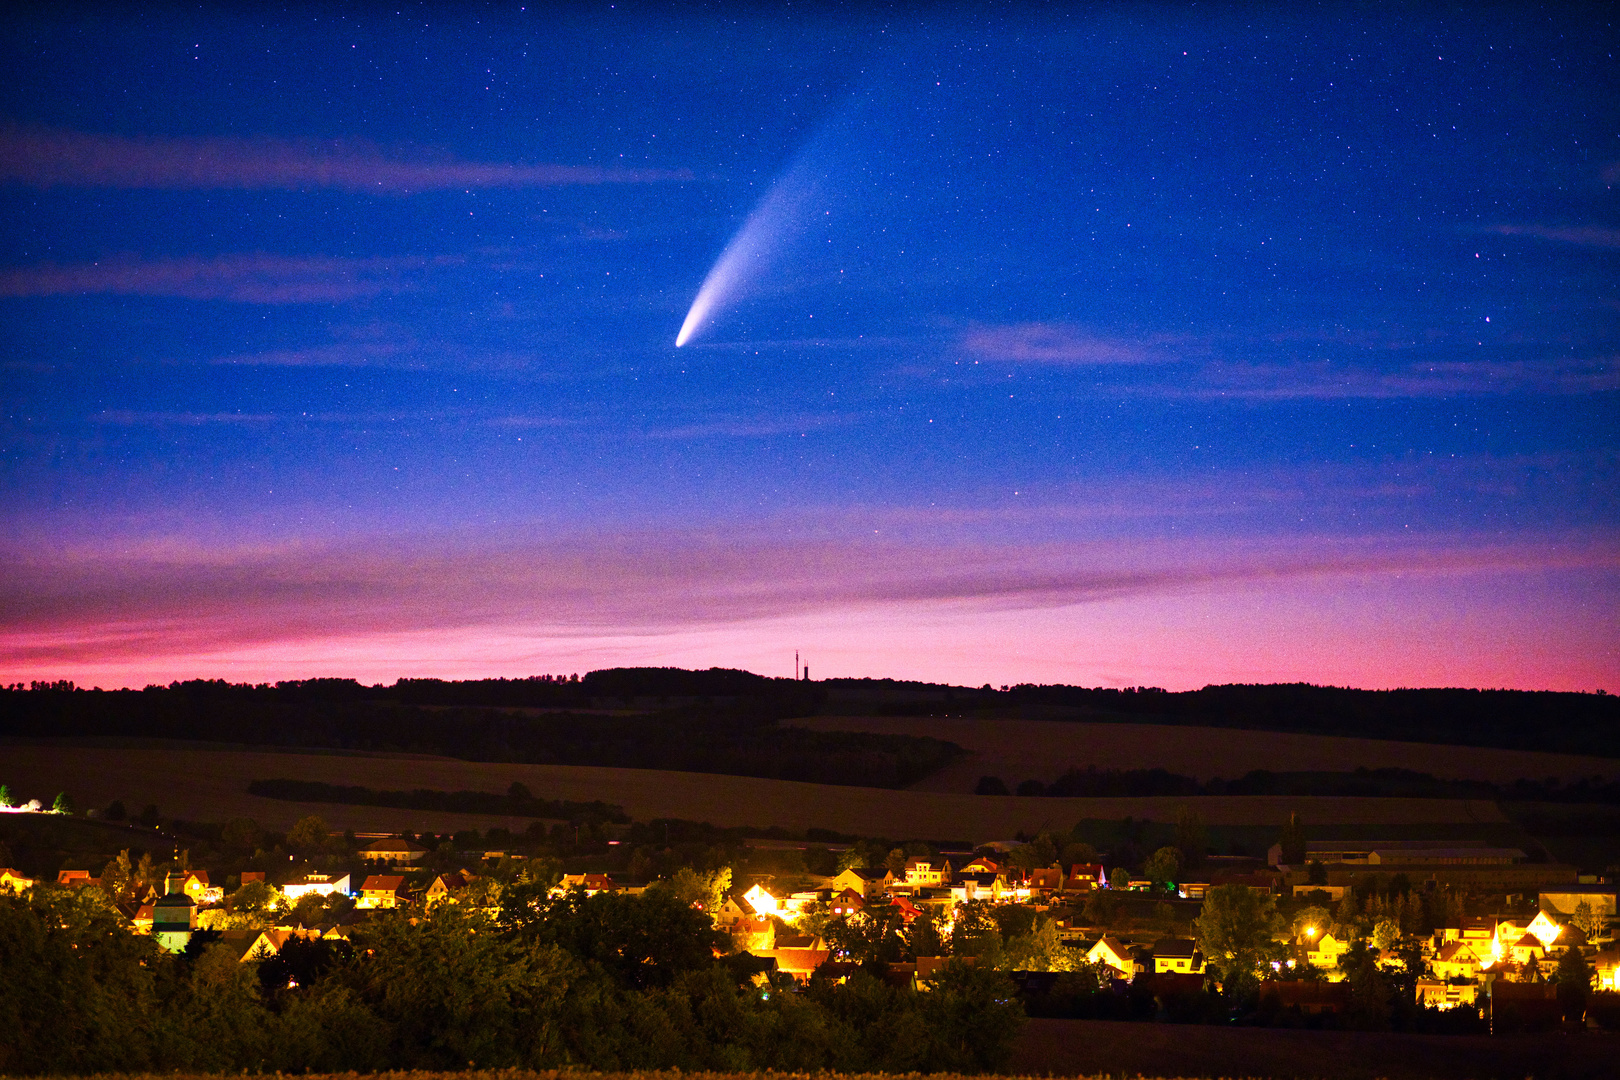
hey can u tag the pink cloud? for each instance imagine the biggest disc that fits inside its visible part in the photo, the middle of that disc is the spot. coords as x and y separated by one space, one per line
255 278
1053 343
1323 380
1581 235
636 599
45 157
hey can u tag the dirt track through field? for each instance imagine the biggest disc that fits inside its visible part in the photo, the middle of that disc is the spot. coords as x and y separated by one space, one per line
1017 750
211 785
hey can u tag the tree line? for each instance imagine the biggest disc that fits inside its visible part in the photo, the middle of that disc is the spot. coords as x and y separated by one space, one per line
605 982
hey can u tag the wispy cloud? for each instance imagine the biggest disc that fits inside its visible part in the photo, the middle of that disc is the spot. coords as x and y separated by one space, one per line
747 428
86 604
251 278
47 157
1579 235
1326 381
1055 343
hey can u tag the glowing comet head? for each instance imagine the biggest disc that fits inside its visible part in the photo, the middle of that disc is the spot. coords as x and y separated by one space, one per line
744 261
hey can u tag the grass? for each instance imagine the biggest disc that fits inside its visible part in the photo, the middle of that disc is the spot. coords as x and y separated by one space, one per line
211 785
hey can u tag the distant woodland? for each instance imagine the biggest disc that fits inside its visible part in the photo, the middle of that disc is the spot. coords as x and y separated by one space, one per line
739 723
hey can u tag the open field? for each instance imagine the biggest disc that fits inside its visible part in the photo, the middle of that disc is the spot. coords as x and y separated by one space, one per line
1018 750
211 785
1109 1047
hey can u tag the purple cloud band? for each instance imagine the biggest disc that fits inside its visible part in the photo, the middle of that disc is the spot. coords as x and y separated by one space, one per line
46 157
90 605
254 278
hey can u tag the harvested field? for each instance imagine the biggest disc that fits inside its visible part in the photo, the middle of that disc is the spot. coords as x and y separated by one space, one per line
1018 750
211 785
1088 1047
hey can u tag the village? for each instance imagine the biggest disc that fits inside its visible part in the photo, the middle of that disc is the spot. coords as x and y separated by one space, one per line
1445 926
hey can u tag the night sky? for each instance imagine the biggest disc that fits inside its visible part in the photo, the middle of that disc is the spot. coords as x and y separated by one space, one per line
1131 346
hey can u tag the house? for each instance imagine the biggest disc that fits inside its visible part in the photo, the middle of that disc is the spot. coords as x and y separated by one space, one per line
197 887
250 876
1439 994
753 932
1545 929
1047 881
1084 877
383 891
1455 960
141 920
269 942
1526 949
393 850
1178 956
983 864
799 963
314 885
908 910
76 879
1324 952
865 882
977 885
591 883
1606 965
847 903
762 900
1110 951
449 887
925 871
13 881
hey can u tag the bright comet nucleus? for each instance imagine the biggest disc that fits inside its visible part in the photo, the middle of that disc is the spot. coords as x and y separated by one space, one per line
768 230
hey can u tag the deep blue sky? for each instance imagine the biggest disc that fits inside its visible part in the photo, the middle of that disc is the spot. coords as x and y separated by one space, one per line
1088 341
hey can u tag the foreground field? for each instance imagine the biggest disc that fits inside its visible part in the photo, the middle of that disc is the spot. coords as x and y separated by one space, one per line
1017 750
211 785
1114 1048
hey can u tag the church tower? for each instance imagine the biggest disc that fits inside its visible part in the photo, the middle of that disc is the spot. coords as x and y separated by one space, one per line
174 915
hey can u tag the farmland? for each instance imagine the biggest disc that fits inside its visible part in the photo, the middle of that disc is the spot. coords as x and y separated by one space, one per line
1017 750
185 781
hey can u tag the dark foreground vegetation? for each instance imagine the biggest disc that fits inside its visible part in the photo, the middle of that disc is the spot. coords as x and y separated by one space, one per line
610 982
729 721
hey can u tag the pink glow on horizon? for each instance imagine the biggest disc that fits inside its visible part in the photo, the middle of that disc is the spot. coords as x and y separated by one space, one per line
1514 630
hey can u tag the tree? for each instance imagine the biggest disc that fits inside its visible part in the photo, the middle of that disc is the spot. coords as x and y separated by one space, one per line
640 941
1574 977
1163 867
115 811
5 795
243 833
1292 841
1589 922
454 992
1192 841
704 892
1238 930
1118 878
308 835
1386 936
62 805
991 785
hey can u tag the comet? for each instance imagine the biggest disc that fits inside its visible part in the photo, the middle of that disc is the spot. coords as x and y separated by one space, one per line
745 261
